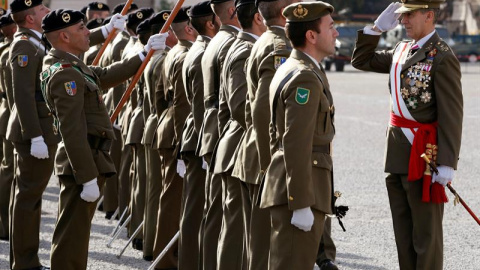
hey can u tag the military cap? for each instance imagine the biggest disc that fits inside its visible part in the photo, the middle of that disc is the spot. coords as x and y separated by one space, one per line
160 18
411 5
144 27
118 8
98 6
2 11
138 16
306 11
182 15
21 5
61 18
239 3
201 9
5 20
94 23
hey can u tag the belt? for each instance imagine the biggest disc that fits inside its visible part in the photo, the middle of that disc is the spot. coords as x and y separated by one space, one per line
316 148
39 96
101 144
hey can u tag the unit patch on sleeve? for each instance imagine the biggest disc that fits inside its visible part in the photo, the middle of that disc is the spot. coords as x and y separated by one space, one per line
278 61
71 88
302 95
22 60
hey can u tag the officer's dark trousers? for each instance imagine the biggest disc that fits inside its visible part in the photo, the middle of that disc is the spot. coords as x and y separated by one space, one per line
417 225
327 249
137 200
110 192
6 179
72 230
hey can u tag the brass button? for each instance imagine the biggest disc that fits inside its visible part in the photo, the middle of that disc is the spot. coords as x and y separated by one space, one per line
290 198
49 114
401 76
103 133
23 131
315 162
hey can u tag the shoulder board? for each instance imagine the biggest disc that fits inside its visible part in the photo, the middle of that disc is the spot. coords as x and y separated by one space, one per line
23 37
51 70
441 45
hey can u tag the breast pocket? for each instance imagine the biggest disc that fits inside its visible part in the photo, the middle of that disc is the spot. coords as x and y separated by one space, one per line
93 97
324 120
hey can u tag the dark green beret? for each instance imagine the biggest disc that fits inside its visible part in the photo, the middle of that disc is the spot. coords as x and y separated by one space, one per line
21 5
182 15
94 23
98 6
306 11
61 18
6 20
411 5
201 9
118 8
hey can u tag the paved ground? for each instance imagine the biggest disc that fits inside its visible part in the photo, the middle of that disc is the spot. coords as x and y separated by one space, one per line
361 118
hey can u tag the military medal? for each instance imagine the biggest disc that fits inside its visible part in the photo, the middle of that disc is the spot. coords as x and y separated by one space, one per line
426 97
412 103
405 93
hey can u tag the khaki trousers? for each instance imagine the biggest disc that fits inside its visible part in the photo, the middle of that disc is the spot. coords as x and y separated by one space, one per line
137 200
290 247
327 249
31 179
192 212
6 179
417 225
72 230
110 191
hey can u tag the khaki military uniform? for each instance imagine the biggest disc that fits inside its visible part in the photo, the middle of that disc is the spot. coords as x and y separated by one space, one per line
153 73
193 198
90 55
300 173
6 166
212 62
169 134
73 93
268 53
231 119
433 96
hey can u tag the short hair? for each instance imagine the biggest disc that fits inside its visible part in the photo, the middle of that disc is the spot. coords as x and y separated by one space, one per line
436 13
246 14
271 11
178 28
199 23
220 9
19 17
296 31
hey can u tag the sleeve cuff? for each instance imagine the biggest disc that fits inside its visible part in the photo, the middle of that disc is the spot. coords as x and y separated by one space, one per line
104 32
142 55
369 31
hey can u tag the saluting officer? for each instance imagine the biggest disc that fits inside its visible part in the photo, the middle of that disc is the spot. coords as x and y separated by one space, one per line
82 161
8 29
298 185
426 116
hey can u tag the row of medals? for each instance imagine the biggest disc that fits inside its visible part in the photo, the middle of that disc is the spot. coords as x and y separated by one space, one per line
418 79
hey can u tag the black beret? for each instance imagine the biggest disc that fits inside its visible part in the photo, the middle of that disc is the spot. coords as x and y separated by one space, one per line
61 18
84 10
107 20
258 1
98 6
160 18
118 8
218 1
239 3
182 15
21 5
2 11
94 23
6 20
138 16
144 27
201 9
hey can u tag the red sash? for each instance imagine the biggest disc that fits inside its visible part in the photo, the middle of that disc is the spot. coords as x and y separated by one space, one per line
425 141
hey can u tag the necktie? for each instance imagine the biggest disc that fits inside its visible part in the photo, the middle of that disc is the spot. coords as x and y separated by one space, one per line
415 48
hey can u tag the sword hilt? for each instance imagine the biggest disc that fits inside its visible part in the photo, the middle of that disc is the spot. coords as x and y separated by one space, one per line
429 162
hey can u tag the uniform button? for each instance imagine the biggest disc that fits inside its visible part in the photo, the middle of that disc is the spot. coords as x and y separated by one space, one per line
74 171
103 133
49 114
315 162
23 131
290 198
401 76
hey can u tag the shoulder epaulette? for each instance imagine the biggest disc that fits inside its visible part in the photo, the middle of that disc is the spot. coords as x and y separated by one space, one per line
441 45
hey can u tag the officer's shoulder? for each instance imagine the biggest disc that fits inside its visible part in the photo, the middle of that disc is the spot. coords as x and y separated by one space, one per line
442 46
62 70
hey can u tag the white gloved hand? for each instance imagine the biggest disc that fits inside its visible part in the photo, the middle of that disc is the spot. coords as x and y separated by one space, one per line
117 21
444 176
303 219
90 192
156 42
39 149
204 164
388 19
181 169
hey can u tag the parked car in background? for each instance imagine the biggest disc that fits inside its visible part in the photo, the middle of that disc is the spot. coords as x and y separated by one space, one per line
398 34
467 48
344 46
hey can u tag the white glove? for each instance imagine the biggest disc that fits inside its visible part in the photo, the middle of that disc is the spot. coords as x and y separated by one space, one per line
388 19
117 21
118 127
90 192
204 164
181 168
39 149
156 42
444 176
303 219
